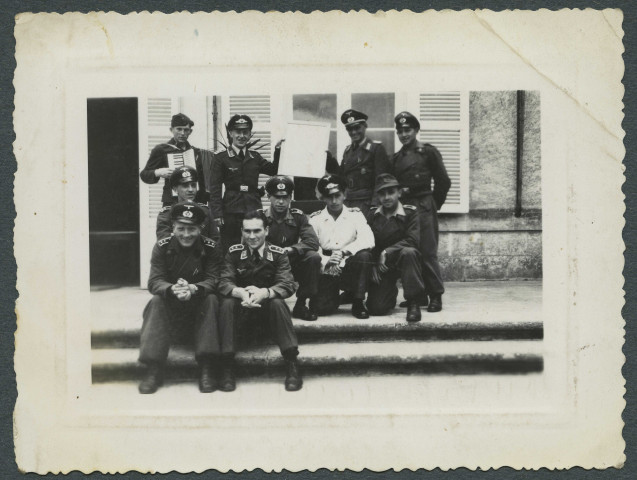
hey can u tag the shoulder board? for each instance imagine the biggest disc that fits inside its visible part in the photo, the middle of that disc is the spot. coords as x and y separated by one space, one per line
236 248
202 204
354 209
276 249
165 209
368 147
297 211
410 207
209 242
378 142
164 241
314 214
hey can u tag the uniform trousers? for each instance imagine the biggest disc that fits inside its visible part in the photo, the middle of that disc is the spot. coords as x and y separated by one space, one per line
273 311
363 204
428 216
355 278
168 321
231 230
306 269
405 264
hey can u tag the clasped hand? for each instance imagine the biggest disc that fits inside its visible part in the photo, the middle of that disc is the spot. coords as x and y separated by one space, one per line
251 296
183 290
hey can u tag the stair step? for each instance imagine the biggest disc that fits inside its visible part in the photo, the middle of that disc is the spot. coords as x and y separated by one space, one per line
458 357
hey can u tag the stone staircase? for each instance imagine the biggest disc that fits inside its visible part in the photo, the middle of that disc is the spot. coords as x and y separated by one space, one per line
485 328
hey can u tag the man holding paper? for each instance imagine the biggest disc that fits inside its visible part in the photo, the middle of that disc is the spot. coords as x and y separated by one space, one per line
165 157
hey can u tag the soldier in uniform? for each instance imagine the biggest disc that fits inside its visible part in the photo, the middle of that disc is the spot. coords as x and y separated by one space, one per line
290 229
363 161
415 165
346 242
256 281
397 236
184 184
184 272
238 169
157 165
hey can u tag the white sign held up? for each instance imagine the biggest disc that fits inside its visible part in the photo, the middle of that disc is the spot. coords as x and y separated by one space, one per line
303 153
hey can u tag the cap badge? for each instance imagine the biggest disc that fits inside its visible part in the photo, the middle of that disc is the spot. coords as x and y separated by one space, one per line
350 119
187 214
403 120
281 186
241 120
331 185
185 174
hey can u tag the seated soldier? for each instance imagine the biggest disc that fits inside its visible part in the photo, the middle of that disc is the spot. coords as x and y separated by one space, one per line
397 236
345 240
184 272
183 182
256 281
290 229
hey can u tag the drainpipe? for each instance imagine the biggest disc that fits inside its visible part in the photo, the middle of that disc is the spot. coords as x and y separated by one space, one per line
519 154
215 115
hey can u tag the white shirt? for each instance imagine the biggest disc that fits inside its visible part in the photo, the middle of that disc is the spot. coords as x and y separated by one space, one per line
237 150
349 231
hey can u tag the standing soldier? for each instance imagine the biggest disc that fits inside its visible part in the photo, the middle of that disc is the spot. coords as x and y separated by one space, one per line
184 272
184 184
256 281
290 229
363 161
346 241
238 169
397 237
415 165
157 166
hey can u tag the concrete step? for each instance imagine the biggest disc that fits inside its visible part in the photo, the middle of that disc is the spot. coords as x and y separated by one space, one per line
415 357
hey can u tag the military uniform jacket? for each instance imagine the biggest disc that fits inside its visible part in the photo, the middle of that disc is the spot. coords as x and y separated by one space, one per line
158 159
293 231
241 179
415 167
164 225
361 166
201 264
396 232
272 271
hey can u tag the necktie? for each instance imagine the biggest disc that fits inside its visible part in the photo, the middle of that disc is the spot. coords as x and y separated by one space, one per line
256 257
241 155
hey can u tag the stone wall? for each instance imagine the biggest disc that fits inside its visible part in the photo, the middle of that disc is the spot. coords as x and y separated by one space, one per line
489 242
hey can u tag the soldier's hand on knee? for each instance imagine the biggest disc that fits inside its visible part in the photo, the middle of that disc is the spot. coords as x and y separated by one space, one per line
382 262
336 257
375 275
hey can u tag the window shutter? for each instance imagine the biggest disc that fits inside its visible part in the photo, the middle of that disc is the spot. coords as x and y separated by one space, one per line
444 124
160 111
258 108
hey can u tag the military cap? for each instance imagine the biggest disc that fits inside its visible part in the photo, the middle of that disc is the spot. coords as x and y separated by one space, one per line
386 180
330 184
183 174
181 120
239 121
406 119
187 212
353 117
279 185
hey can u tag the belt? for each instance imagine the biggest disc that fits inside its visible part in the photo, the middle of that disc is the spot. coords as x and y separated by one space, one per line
242 188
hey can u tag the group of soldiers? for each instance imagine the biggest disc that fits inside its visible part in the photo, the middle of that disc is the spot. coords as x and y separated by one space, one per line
223 265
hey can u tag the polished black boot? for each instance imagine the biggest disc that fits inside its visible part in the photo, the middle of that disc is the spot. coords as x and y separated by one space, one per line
293 380
207 378
421 303
435 303
413 312
359 310
153 380
227 382
302 312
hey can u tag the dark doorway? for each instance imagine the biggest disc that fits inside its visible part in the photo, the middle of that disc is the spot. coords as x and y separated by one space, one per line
113 191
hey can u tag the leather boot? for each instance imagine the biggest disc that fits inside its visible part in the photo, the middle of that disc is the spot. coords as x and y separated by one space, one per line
153 380
413 312
359 310
227 381
435 304
421 303
301 312
293 380
346 298
207 378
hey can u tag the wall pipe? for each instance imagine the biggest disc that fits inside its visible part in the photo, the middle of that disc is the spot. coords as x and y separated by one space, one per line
519 153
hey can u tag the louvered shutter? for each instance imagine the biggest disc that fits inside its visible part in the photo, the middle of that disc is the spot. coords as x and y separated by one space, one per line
258 108
444 123
154 122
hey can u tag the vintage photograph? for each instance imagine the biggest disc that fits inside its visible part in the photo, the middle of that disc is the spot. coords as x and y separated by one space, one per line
326 244
434 196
